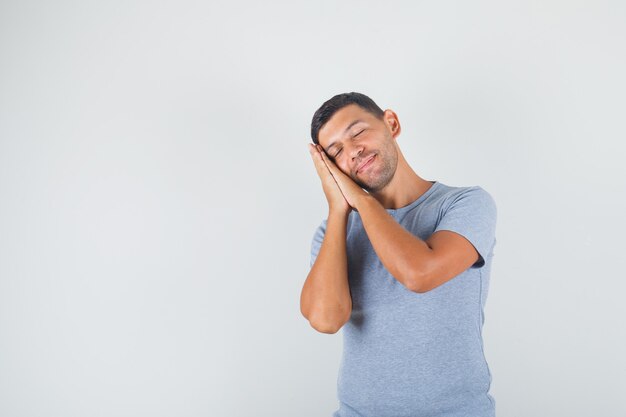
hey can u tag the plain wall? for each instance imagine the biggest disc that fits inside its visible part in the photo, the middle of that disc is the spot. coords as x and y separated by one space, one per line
157 198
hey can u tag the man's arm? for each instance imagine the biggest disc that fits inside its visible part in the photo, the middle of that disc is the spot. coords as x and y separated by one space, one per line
423 265
325 300
419 265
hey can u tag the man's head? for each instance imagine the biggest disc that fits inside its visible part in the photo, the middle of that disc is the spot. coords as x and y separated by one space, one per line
352 129
336 103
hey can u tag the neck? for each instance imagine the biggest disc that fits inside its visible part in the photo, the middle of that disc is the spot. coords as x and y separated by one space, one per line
404 188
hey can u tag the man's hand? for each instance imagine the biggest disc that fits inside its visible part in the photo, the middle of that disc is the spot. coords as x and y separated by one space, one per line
351 191
336 200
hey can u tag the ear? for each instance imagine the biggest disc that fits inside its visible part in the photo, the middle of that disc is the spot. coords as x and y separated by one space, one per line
391 120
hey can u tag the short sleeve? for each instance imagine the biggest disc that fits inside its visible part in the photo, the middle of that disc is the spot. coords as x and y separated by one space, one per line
316 244
473 215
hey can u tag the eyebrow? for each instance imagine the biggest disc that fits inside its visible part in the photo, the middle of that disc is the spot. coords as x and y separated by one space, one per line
344 132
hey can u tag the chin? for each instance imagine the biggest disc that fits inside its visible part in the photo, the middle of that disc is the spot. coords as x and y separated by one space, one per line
378 186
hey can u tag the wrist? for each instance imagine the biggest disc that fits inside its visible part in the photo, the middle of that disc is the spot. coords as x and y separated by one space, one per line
366 198
339 212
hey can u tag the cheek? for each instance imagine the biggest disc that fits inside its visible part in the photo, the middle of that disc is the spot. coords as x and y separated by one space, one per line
343 167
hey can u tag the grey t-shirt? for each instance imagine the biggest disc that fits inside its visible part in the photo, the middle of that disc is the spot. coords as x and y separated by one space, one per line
407 354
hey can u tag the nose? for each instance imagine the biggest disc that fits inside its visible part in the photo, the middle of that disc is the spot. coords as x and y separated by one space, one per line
355 151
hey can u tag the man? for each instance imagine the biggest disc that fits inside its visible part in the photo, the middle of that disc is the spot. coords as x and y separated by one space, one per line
402 265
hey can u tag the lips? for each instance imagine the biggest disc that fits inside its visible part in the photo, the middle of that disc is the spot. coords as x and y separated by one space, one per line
365 163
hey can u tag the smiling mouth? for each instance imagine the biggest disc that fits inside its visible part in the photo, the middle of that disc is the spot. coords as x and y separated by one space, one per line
366 164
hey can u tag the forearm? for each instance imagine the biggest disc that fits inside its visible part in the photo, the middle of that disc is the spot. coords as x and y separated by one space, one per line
402 253
325 300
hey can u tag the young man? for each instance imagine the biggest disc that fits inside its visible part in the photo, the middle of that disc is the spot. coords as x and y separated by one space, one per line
402 265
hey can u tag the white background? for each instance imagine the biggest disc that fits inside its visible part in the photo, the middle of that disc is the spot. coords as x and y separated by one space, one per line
157 198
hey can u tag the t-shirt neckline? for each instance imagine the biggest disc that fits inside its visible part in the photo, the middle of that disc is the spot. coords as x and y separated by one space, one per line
421 198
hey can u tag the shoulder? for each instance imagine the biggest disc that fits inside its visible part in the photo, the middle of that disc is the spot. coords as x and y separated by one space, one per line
471 196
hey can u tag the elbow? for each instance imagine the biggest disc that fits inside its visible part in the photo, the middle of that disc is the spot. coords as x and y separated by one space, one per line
325 325
325 328
418 282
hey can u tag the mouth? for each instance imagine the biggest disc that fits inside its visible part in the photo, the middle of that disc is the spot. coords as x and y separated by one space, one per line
365 164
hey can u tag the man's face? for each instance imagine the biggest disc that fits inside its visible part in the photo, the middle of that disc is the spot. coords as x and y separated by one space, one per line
361 146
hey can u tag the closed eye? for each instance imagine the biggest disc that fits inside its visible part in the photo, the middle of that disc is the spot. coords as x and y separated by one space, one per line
338 152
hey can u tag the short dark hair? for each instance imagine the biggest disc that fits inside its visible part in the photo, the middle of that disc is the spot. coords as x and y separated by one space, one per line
331 106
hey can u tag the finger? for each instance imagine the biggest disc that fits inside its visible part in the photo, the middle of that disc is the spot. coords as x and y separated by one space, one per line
320 166
337 175
315 154
330 164
323 154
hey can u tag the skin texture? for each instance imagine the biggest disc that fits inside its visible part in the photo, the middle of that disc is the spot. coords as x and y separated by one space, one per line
387 182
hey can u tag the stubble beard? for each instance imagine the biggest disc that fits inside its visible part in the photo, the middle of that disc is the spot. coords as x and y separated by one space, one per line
388 164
